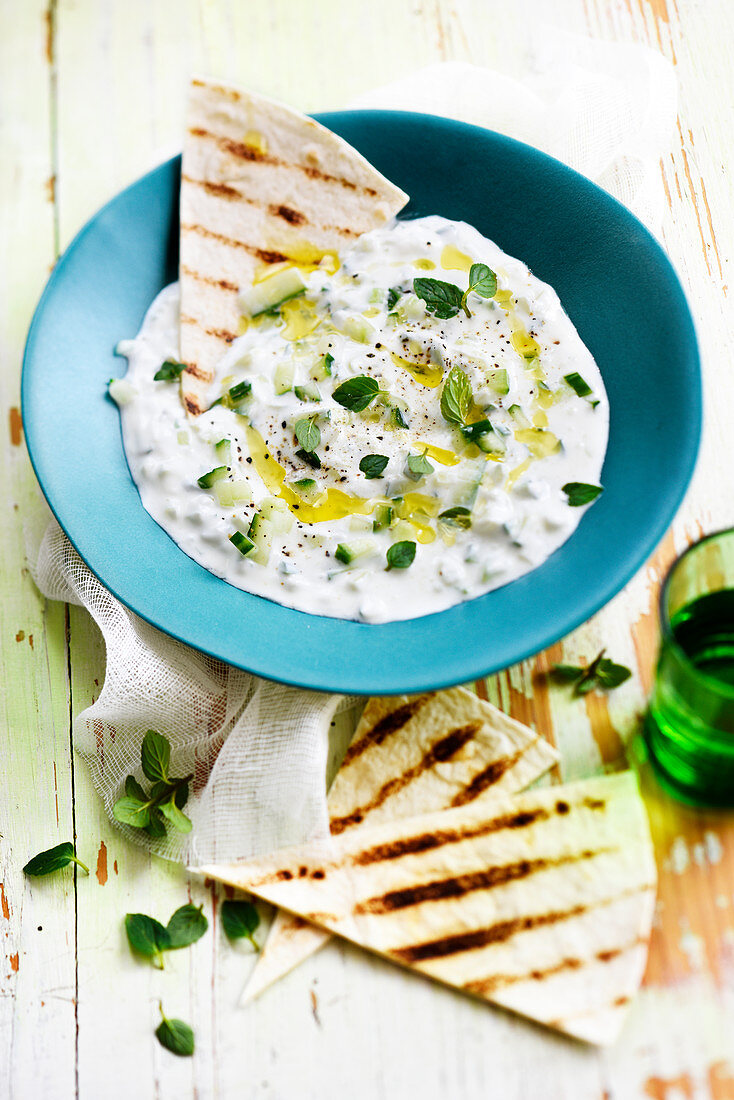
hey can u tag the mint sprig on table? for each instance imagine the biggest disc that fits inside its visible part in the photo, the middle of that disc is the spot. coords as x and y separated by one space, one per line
240 920
601 675
54 859
175 1035
444 300
167 796
149 938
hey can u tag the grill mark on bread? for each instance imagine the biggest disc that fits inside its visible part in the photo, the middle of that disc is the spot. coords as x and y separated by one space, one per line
229 193
222 284
486 778
384 727
267 255
191 403
218 333
496 933
288 214
440 751
426 842
198 372
486 986
240 151
460 885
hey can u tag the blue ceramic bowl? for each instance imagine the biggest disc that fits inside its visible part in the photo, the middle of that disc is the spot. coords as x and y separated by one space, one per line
615 283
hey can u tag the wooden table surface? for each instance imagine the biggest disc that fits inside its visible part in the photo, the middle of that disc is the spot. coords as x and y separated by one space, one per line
91 96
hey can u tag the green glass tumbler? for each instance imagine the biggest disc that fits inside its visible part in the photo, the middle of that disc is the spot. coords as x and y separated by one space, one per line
689 727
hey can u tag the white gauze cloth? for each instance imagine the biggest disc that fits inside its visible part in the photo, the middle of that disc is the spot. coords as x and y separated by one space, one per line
258 750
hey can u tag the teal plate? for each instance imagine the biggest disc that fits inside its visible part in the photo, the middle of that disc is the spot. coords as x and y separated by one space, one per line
615 283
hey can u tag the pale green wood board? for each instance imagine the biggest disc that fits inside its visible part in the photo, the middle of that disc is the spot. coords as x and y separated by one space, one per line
121 70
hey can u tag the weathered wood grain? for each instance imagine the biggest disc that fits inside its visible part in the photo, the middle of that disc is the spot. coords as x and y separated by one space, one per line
90 97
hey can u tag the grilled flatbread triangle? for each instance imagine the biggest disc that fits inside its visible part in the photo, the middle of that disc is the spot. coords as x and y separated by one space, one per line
412 755
541 903
261 185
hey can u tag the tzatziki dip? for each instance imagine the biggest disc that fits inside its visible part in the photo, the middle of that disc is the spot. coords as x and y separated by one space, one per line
400 428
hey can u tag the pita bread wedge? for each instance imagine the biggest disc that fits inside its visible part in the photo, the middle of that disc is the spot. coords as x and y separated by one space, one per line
541 903
411 755
261 185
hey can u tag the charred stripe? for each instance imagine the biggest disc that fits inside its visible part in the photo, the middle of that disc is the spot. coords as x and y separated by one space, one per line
268 256
486 778
241 151
459 885
497 933
439 752
486 986
218 333
223 284
386 726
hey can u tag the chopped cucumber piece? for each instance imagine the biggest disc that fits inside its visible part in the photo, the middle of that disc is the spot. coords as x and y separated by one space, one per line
207 480
262 540
283 377
498 381
272 292
322 368
383 517
182 438
309 392
486 438
359 329
121 391
223 450
397 417
309 457
243 544
357 549
518 415
254 524
229 493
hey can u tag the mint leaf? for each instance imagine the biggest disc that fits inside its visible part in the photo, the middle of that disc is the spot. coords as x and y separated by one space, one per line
175 1035
482 281
134 790
610 675
566 674
155 756
169 371
173 814
356 393
240 919
444 300
147 937
309 457
418 466
456 517
400 555
53 859
579 493
156 827
456 397
394 295
132 811
373 466
187 925
308 433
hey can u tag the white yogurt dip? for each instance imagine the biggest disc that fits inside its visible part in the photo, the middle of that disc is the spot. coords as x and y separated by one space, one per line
478 424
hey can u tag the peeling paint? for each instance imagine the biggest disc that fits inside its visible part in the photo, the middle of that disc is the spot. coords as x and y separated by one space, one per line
102 864
16 426
4 907
19 637
669 1088
721 1081
15 962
